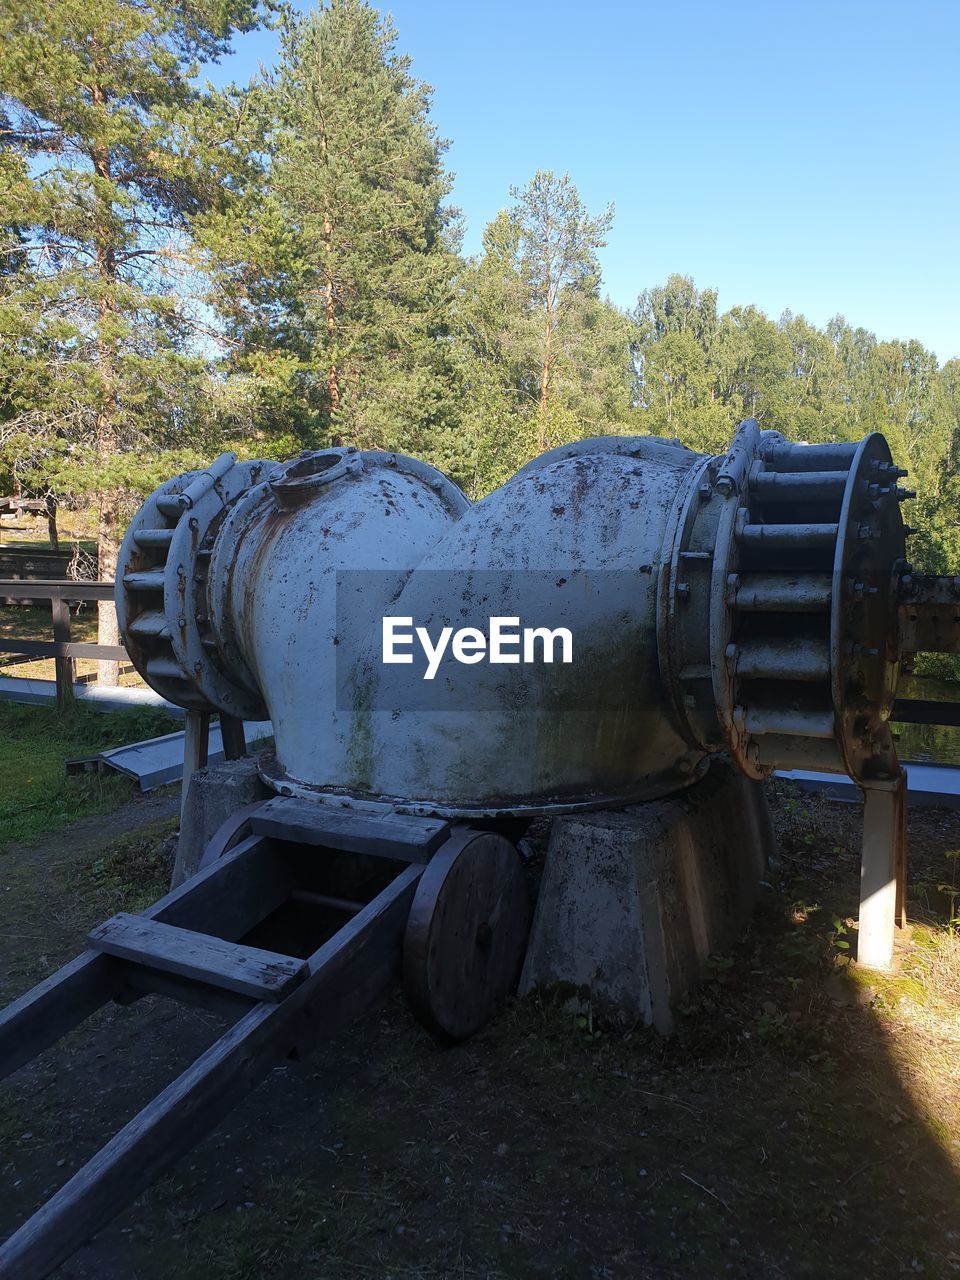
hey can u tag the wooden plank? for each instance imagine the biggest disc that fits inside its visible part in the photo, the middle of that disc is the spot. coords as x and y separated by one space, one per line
60 649
265 975
55 1006
230 898
139 982
196 748
922 711
63 667
345 974
232 737
56 588
388 835
882 864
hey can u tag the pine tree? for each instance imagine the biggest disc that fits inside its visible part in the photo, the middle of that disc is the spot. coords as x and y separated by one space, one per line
120 154
364 280
544 358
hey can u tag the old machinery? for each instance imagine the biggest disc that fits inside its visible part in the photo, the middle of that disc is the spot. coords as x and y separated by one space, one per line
757 604
752 603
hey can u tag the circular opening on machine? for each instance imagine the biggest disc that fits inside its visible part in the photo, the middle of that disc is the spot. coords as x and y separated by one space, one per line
295 481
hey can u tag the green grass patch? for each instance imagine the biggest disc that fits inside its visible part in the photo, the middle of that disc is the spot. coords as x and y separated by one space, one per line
36 795
131 872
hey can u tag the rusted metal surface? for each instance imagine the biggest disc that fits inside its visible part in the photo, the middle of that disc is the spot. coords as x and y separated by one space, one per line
757 602
928 613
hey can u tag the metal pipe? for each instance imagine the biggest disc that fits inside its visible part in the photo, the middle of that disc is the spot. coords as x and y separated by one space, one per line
164 669
150 624
793 536
810 457
791 721
781 593
784 660
153 537
146 580
799 486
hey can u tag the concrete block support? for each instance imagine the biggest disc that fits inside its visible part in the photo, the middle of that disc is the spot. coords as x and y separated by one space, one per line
633 901
213 795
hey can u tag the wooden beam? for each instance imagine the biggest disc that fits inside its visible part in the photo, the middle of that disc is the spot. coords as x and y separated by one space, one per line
232 895
56 588
229 898
232 737
196 746
63 667
55 1006
62 649
250 971
387 834
139 982
882 872
349 970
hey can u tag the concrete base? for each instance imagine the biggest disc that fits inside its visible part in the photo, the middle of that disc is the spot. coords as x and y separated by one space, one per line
633 901
213 795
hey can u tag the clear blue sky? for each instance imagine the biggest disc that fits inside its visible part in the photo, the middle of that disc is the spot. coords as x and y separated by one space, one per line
787 154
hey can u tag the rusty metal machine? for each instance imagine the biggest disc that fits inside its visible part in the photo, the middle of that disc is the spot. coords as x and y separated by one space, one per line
756 604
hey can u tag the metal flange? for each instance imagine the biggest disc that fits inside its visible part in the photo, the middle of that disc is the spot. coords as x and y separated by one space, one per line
161 589
791 552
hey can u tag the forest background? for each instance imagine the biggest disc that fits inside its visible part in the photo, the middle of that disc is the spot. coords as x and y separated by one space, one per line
275 267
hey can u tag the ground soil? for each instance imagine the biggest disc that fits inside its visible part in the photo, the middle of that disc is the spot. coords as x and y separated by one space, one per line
801 1122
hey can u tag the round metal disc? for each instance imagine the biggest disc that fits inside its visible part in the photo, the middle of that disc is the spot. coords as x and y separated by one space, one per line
466 934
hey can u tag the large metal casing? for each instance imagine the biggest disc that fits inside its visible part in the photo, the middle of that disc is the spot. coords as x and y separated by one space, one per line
574 539
273 587
756 603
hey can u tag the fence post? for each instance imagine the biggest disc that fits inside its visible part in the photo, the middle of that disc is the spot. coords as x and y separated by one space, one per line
63 667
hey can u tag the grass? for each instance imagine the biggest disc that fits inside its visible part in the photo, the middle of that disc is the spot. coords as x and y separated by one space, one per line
36 796
130 873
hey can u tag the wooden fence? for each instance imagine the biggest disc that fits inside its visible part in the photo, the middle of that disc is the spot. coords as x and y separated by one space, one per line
61 648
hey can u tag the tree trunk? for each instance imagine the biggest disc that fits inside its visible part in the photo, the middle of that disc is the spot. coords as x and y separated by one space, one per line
108 542
52 532
333 380
544 389
547 343
108 547
329 298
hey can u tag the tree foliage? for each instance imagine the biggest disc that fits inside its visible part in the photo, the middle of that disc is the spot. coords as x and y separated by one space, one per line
112 155
356 246
183 270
